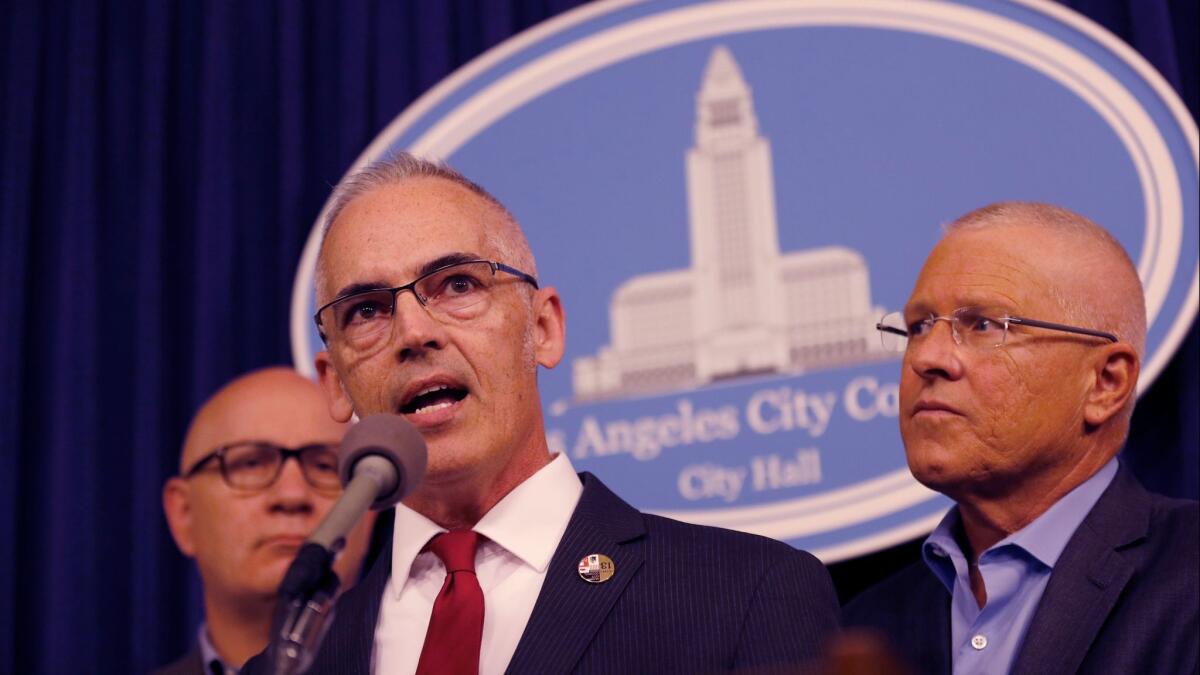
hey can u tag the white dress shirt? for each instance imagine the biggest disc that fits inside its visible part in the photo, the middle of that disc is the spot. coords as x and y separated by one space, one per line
521 534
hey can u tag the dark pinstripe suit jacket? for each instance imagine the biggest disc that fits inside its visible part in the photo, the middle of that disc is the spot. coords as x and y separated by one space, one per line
684 599
1124 596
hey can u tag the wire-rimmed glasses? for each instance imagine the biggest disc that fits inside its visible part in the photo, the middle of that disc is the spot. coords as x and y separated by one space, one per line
970 327
457 292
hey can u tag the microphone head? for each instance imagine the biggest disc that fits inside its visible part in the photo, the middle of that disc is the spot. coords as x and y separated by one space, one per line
394 439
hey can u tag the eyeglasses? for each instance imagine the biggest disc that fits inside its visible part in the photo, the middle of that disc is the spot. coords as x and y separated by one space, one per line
456 292
256 465
969 326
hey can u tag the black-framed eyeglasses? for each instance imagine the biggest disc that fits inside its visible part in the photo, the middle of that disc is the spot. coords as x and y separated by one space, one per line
256 465
458 292
970 327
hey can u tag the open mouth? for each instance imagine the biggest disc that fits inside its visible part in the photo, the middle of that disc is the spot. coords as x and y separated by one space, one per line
433 398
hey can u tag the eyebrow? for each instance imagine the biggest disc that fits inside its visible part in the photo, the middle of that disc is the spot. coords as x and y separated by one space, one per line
446 261
360 287
920 307
433 265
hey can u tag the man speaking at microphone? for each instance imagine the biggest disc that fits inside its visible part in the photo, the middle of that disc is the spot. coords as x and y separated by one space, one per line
503 558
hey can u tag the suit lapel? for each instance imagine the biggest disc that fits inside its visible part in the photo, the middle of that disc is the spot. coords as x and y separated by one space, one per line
349 644
918 625
1087 580
569 611
934 638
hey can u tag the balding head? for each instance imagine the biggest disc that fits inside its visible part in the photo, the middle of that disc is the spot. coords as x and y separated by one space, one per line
243 539
464 374
1096 283
504 233
274 404
1013 414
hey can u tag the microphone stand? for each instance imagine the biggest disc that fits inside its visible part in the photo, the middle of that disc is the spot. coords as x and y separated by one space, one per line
304 612
309 588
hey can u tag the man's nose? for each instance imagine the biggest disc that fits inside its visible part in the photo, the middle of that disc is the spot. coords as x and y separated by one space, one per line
937 354
414 328
291 492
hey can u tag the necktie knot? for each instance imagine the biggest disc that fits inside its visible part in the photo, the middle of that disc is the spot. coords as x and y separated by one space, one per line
456 550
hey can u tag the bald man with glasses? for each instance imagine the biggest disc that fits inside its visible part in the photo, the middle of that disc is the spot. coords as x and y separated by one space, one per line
257 474
1022 343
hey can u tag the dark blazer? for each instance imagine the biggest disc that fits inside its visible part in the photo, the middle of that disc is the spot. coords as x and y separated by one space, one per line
188 664
684 599
1124 596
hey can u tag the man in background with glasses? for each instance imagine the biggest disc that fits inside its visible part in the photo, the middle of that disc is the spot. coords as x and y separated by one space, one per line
504 559
257 474
1022 342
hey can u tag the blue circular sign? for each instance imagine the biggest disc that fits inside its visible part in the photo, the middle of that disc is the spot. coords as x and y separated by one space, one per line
728 195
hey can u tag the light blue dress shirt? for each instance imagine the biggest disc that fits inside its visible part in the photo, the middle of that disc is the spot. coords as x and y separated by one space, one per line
208 655
1014 570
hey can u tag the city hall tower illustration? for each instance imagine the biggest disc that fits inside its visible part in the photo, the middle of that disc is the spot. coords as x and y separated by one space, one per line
742 307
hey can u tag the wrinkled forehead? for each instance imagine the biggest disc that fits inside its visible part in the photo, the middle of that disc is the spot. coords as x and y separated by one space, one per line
1004 267
389 235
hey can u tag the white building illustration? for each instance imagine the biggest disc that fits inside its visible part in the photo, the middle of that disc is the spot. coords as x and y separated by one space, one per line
742 307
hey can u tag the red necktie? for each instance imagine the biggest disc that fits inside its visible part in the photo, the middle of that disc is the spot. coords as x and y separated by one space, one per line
456 625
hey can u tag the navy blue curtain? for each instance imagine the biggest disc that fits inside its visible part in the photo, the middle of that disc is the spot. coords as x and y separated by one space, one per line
160 166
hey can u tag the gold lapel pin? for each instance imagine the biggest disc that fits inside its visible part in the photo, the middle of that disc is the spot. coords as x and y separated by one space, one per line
596 568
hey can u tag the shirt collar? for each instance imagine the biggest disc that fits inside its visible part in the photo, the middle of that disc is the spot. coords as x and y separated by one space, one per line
941 552
1047 536
1044 538
528 522
409 535
208 653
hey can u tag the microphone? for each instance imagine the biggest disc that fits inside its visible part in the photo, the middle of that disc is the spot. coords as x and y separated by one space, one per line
381 459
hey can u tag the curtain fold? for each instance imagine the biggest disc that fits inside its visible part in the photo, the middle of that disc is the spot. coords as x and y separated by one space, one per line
160 167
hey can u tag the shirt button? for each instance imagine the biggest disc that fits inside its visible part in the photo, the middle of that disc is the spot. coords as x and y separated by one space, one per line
979 642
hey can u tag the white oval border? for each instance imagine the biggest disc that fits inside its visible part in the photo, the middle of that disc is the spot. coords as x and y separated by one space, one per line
895 491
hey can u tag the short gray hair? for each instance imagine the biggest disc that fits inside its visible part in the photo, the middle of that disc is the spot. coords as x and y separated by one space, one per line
505 236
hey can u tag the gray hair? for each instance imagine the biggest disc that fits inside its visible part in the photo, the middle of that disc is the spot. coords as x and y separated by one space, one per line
505 235
1122 313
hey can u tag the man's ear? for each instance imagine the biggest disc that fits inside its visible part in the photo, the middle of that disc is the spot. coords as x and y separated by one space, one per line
340 405
1116 376
549 327
178 509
